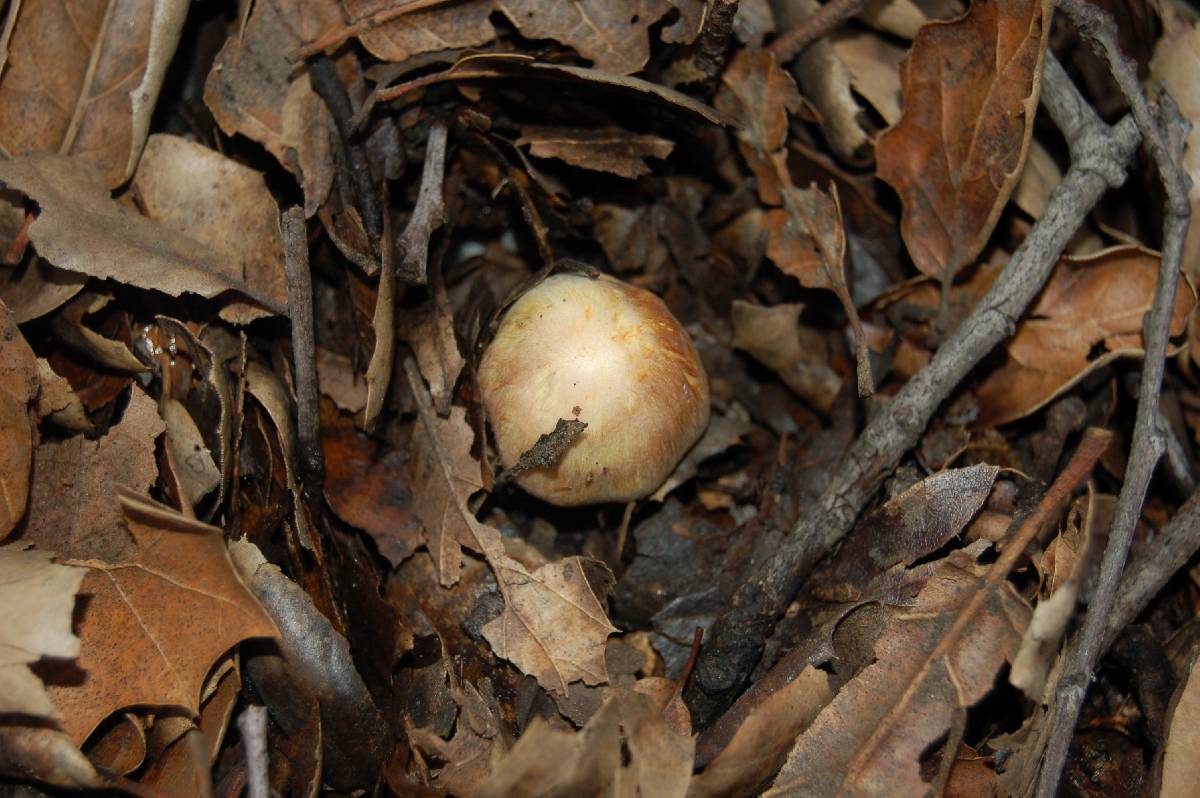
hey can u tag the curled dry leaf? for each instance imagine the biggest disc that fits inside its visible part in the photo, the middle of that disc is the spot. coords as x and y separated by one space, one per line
71 508
429 331
723 431
82 79
81 228
252 75
934 659
180 605
1089 314
553 625
444 27
18 387
775 338
38 597
980 77
204 195
627 748
195 471
609 149
613 34
57 401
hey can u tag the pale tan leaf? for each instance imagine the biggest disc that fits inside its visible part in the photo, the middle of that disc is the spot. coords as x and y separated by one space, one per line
225 206
83 78
1181 753
774 337
82 229
38 597
611 33
444 27
602 150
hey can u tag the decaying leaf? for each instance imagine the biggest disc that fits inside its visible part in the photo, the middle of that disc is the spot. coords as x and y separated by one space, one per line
1181 755
38 598
83 79
1088 315
971 87
80 228
602 150
72 511
934 659
251 77
181 606
18 387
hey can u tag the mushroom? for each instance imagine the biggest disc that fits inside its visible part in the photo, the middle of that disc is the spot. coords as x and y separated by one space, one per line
606 353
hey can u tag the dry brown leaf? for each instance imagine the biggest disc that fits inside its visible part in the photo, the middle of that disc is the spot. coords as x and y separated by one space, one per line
57 401
774 337
934 659
1181 748
251 77
18 388
874 65
723 431
761 742
337 380
271 392
629 238
38 597
225 206
1089 314
1039 177
429 331
82 229
613 34
71 509
443 27
37 288
369 488
971 88
83 78
47 755
553 626
552 761
180 606
609 149
196 472
306 125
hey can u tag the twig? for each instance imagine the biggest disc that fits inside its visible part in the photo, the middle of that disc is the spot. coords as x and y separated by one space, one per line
825 20
252 724
329 86
304 347
428 213
1148 443
738 635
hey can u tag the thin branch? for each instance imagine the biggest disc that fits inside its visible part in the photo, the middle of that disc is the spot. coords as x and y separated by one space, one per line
304 347
1148 443
428 213
252 724
738 635
824 21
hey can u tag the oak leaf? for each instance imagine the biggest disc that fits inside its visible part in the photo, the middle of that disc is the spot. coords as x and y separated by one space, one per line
82 79
971 87
553 625
155 623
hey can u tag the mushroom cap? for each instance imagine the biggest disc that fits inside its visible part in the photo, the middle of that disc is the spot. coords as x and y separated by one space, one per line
606 353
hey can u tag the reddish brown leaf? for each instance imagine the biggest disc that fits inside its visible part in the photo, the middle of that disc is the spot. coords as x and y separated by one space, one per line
606 150
1089 314
82 79
971 87
179 605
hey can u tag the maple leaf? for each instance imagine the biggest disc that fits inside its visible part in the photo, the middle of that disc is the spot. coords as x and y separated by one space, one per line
153 625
